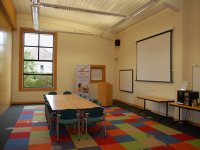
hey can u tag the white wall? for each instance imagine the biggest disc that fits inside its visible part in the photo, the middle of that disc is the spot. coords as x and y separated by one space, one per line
72 49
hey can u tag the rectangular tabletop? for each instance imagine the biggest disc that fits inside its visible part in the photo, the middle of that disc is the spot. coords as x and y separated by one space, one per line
70 101
156 99
195 108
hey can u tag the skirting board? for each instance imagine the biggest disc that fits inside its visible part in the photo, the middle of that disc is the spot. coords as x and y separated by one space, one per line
128 103
28 103
3 108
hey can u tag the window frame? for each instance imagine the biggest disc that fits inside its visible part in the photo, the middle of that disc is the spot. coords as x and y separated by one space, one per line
21 61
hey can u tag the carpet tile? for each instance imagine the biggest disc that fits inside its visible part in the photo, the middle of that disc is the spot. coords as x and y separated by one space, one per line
44 146
116 132
151 142
183 137
22 129
112 147
137 124
105 141
195 142
133 145
183 146
123 138
17 144
125 131
20 135
140 135
168 139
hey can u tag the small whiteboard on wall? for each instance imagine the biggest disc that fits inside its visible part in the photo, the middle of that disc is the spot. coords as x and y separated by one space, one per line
126 80
154 58
196 78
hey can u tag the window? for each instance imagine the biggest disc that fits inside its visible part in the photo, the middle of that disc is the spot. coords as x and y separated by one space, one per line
37 60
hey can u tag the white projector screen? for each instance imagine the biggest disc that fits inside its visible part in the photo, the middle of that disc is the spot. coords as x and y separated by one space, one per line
154 58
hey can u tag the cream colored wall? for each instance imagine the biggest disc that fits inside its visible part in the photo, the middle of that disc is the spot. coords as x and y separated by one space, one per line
126 54
185 54
5 62
191 38
82 49
73 49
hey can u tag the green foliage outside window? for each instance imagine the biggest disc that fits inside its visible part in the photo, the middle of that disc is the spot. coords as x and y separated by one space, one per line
34 81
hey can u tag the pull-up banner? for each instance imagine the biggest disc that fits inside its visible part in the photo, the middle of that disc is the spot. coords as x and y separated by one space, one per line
82 79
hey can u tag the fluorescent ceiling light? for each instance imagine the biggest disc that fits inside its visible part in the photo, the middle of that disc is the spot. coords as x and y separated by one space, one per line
35 14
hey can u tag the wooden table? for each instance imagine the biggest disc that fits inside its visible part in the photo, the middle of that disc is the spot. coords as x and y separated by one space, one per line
194 108
158 100
69 101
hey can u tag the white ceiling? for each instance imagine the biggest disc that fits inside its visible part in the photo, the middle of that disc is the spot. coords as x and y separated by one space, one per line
98 17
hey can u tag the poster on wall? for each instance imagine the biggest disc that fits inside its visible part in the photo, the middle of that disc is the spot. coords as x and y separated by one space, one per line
82 79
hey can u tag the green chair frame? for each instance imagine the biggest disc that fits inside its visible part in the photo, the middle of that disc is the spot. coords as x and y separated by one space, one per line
67 92
95 115
52 93
68 117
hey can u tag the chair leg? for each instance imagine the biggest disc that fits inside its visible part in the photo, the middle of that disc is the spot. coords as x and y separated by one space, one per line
74 128
49 120
105 127
57 130
82 122
78 127
86 129
99 126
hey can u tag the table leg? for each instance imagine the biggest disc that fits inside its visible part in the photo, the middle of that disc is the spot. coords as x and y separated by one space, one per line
179 117
166 113
57 127
144 107
166 109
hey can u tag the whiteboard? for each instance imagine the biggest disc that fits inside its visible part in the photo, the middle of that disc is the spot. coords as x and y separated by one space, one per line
126 80
196 78
154 58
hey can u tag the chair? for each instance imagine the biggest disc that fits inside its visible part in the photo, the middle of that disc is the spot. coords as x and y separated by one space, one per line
93 100
95 115
52 93
67 92
67 117
98 102
49 113
45 108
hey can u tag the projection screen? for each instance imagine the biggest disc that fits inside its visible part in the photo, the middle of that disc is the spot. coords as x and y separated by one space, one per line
154 58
